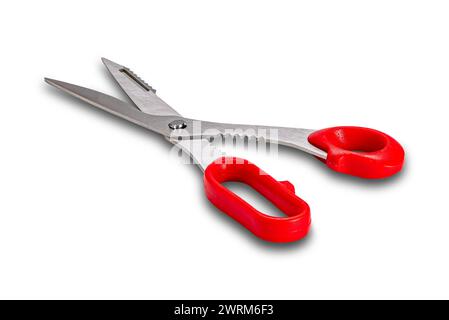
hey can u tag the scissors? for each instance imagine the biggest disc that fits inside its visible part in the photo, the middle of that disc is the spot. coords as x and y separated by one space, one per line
357 151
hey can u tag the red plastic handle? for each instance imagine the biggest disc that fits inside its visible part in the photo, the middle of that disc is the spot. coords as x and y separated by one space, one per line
362 152
281 193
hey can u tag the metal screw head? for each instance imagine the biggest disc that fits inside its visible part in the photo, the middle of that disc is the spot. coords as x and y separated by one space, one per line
177 124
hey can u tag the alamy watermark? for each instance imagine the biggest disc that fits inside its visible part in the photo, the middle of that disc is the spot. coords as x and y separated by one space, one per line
193 145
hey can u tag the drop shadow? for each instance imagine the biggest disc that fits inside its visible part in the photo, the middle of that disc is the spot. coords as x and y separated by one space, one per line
240 231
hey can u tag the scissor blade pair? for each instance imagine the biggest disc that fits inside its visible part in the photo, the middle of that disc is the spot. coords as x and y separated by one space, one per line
111 105
143 95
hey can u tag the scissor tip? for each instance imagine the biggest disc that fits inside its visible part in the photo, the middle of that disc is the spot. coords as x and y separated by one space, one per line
54 83
109 63
50 81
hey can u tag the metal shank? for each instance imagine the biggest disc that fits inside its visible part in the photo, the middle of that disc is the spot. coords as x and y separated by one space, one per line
290 137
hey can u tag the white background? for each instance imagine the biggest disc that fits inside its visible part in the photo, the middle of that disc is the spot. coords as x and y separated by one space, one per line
94 207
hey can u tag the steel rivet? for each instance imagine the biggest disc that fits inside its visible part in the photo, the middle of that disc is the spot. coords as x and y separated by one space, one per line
177 124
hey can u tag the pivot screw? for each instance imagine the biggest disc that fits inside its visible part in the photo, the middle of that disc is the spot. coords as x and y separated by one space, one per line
177 124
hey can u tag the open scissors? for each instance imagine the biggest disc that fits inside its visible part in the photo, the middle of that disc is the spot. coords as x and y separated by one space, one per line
362 152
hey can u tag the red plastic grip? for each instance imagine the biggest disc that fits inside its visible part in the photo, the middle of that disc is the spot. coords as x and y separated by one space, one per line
281 193
361 152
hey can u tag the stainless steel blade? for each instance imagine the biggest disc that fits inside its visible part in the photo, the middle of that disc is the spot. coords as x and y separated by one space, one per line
116 107
143 95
